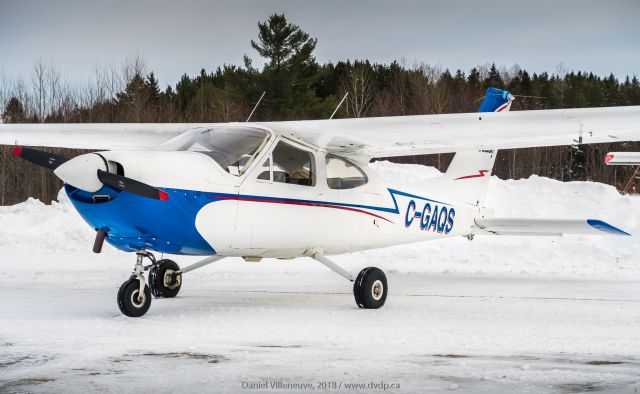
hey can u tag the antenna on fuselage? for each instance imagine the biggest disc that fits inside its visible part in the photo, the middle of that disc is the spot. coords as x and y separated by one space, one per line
339 104
254 108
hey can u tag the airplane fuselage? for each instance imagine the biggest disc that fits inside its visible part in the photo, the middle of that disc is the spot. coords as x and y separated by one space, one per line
213 211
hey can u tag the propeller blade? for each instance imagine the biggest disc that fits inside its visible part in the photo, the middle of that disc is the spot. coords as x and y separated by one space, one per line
132 186
43 159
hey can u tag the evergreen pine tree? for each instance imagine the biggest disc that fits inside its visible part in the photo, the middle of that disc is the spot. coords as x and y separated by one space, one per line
13 111
153 89
493 78
291 71
284 44
578 163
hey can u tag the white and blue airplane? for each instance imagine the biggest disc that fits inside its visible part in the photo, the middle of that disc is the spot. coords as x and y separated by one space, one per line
298 188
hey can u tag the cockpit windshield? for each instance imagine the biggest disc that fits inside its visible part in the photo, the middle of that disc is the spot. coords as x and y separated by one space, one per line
233 148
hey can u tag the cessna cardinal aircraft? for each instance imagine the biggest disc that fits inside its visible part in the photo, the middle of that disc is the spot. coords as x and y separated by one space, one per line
299 188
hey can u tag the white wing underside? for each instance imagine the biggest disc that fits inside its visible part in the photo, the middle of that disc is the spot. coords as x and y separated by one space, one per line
366 138
542 227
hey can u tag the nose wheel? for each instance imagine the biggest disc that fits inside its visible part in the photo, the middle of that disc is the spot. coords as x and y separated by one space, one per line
134 296
131 301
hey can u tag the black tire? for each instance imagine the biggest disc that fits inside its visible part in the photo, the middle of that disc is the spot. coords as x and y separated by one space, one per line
129 302
163 280
370 288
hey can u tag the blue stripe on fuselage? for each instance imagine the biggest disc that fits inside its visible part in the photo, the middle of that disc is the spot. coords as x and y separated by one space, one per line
395 209
135 222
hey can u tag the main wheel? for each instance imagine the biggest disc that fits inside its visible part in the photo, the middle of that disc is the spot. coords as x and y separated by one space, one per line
130 301
164 280
370 288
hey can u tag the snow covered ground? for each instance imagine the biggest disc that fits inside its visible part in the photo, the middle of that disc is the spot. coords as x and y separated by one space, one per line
494 314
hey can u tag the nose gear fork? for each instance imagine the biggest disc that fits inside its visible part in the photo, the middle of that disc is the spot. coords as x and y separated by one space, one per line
139 268
134 296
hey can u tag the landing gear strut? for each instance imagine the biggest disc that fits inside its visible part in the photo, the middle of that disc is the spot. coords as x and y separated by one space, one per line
134 296
369 287
165 280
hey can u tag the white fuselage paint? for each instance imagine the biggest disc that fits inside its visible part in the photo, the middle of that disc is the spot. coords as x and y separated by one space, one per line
270 219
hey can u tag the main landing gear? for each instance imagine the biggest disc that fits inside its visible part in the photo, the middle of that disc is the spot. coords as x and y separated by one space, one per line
369 287
165 280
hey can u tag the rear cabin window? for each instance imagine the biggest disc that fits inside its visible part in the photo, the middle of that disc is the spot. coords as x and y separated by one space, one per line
292 165
342 174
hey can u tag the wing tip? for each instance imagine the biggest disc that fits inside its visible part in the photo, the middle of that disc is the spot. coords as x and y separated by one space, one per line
606 227
608 158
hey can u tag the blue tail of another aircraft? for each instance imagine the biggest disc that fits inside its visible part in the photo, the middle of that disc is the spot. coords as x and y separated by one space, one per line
496 100
469 172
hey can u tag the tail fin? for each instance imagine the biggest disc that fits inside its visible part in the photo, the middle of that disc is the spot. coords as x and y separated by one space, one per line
468 174
496 100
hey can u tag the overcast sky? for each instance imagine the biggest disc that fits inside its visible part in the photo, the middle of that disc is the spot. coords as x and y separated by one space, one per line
181 36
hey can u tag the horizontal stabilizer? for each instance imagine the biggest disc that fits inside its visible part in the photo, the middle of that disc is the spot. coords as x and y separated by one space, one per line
557 227
622 158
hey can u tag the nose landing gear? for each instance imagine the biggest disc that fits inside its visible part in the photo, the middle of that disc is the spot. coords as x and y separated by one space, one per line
165 280
134 296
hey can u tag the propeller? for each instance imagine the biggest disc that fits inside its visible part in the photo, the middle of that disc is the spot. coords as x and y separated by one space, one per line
123 183
43 159
79 172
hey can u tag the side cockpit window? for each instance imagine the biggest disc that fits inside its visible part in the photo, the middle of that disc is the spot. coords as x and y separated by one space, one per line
342 174
291 165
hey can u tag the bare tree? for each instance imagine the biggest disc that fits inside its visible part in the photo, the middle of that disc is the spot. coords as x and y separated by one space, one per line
39 86
360 86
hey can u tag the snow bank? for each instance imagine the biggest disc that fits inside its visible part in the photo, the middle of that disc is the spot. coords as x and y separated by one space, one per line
32 227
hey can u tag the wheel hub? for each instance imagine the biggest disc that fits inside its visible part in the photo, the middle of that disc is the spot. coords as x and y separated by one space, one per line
171 279
377 290
138 299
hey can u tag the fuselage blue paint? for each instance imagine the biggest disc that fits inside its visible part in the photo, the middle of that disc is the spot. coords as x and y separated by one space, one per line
134 223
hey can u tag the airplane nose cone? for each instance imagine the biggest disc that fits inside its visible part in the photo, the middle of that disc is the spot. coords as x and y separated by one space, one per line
82 172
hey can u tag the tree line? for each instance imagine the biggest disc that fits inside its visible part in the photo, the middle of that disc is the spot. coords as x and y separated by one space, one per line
298 87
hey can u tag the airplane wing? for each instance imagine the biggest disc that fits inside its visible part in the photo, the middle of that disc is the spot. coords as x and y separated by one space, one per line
100 136
622 158
424 134
558 227
366 138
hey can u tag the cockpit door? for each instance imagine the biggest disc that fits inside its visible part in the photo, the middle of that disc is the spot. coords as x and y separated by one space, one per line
277 213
